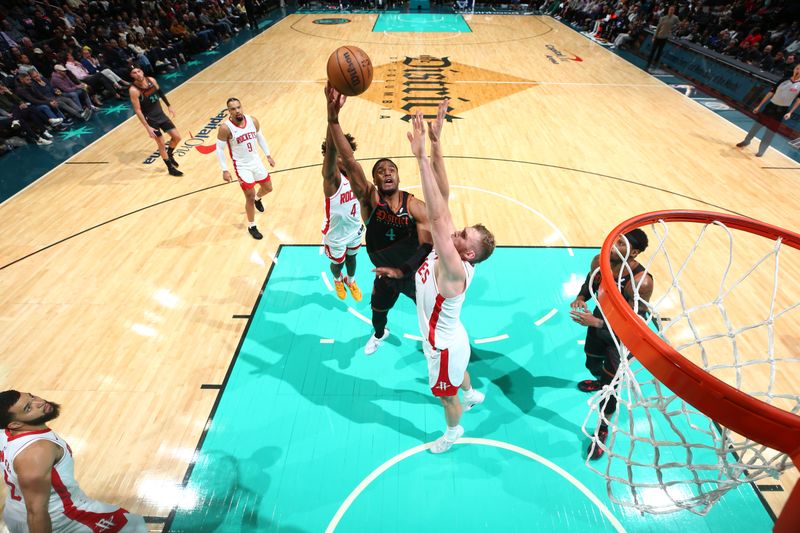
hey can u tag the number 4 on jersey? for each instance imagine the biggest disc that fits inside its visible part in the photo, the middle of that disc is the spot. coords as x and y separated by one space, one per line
390 234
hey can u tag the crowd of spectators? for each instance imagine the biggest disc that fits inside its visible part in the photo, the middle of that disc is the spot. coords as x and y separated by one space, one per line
61 60
761 33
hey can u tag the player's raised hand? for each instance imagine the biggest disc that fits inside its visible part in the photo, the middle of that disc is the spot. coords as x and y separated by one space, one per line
435 128
335 102
417 134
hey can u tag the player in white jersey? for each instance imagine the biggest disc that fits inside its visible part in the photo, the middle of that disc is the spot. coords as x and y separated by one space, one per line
241 135
342 227
442 281
39 472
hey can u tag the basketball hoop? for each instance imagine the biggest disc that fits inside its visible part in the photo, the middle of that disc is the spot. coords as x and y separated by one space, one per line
704 423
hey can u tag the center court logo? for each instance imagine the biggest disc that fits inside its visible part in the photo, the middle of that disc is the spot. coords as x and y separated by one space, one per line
195 141
556 56
410 83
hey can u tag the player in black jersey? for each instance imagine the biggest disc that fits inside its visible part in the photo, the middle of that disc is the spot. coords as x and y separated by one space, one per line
602 356
397 225
145 94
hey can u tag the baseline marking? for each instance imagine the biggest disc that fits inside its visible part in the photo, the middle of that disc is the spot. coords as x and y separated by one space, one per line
482 442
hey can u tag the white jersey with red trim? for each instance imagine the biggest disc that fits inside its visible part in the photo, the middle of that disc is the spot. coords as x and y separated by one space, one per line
69 508
439 317
342 221
243 145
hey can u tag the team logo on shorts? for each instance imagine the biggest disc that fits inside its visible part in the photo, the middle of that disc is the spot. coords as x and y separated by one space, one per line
410 83
331 21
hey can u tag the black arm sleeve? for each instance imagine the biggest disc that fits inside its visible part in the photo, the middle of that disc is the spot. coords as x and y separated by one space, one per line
413 262
161 95
585 292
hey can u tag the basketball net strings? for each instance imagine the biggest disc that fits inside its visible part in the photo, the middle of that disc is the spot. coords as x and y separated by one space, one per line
662 455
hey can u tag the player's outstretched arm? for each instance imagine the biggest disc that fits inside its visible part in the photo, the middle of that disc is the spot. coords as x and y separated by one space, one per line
330 173
439 219
262 142
223 136
437 159
363 190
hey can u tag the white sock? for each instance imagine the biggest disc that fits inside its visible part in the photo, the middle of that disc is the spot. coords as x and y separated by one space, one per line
350 280
258 198
340 278
451 432
251 224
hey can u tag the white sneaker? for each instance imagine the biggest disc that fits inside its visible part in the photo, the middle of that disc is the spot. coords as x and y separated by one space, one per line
42 141
55 121
471 399
442 444
374 342
47 135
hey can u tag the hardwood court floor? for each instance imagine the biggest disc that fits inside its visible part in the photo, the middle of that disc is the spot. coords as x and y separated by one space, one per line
119 282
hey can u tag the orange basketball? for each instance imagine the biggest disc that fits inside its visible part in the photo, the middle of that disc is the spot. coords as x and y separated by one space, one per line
349 70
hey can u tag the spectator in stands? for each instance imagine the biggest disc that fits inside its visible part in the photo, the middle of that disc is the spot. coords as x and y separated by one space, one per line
76 91
32 125
97 81
66 105
31 95
117 59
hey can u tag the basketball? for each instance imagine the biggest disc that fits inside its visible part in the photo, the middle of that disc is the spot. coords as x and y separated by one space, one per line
349 70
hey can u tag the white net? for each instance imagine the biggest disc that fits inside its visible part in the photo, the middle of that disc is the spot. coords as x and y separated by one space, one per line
734 313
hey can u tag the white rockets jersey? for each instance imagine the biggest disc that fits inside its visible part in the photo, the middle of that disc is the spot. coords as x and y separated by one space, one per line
342 215
69 508
439 317
243 145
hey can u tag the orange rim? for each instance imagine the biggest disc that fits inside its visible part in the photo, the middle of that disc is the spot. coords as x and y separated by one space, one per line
734 409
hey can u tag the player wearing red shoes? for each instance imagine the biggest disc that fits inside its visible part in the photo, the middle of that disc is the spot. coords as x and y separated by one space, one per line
241 135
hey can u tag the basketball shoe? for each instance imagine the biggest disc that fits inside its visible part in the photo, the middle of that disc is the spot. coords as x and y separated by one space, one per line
472 398
374 342
590 385
259 205
339 286
595 451
354 290
443 443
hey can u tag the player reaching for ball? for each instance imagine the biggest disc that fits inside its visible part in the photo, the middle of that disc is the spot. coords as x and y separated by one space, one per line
397 235
442 282
342 227
240 133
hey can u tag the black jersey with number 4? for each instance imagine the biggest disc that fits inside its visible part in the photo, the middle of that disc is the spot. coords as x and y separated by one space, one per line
391 236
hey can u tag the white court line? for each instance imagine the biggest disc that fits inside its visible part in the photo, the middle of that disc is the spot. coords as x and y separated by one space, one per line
326 280
546 317
413 337
326 341
547 221
359 315
491 339
482 442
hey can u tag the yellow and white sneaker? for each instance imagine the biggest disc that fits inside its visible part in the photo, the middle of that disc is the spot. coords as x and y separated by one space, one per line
340 290
354 290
